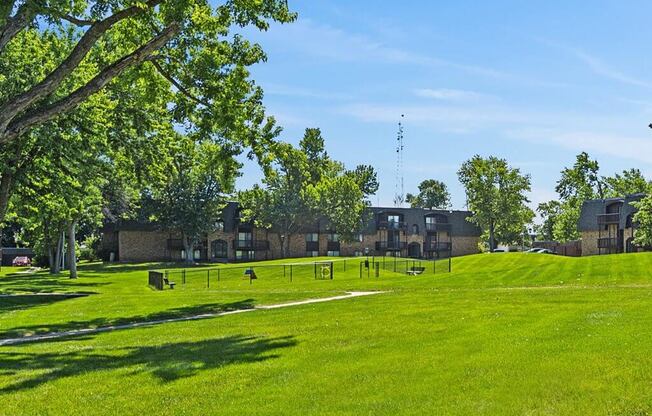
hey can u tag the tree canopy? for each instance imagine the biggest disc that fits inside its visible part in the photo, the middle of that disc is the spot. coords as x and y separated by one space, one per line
432 194
304 187
495 193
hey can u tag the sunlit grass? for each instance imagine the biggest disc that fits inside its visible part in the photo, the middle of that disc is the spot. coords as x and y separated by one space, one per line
502 334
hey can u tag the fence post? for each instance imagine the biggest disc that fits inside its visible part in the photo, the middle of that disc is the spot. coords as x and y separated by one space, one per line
184 276
450 263
434 265
377 271
218 275
360 270
344 264
315 264
208 278
251 275
331 270
290 273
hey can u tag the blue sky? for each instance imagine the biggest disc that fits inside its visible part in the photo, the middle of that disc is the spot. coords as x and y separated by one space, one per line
535 83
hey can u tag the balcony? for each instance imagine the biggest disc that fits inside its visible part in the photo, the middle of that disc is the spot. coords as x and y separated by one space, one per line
438 226
333 246
391 225
250 245
605 219
390 245
607 242
437 246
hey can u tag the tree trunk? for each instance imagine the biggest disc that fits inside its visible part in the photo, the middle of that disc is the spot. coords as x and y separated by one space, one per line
189 246
281 241
58 254
5 192
492 238
72 257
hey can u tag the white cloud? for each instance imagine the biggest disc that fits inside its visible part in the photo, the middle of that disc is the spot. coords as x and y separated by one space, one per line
600 68
446 94
328 42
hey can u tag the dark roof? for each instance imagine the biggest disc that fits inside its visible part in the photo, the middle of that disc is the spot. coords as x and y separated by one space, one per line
460 226
592 208
458 220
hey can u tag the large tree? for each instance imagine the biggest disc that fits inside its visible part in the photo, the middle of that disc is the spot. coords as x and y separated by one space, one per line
577 184
185 40
549 213
305 186
432 194
200 177
186 57
495 193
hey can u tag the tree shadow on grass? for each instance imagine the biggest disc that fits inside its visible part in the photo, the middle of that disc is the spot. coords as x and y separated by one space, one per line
167 363
40 283
17 302
186 311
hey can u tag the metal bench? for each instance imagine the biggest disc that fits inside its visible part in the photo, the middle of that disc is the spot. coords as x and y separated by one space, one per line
416 270
167 282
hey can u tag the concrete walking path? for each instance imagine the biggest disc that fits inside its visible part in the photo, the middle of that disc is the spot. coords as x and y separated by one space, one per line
86 331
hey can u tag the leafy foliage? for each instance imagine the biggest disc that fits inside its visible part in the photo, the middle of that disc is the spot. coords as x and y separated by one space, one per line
432 194
305 187
495 194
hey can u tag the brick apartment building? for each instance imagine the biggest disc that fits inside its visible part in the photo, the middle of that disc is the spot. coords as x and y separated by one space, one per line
406 232
606 225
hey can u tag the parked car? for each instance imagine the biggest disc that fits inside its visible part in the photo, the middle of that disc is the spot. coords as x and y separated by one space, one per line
498 250
21 261
546 251
534 250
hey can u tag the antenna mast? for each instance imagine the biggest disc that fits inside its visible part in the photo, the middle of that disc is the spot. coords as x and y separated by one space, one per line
399 191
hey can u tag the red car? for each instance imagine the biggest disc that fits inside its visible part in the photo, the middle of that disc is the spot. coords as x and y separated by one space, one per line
21 261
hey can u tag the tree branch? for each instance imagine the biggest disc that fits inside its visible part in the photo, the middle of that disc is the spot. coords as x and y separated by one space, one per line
19 126
14 106
14 24
76 21
178 85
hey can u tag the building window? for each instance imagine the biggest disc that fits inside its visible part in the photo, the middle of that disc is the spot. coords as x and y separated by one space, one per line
333 237
219 225
333 253
312 237
393 221
312 253
415 229
219 249
244 254
360 238
358 254
197 254
245 236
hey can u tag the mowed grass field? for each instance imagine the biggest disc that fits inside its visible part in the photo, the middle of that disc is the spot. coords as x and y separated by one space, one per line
504 333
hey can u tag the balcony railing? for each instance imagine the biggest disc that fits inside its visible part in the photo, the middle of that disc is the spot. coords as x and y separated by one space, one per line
390 245
607 242
437 246
604 219
392 225
251 244
438 226
333 246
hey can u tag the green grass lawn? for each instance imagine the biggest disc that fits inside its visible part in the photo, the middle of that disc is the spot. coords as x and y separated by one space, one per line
504 333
